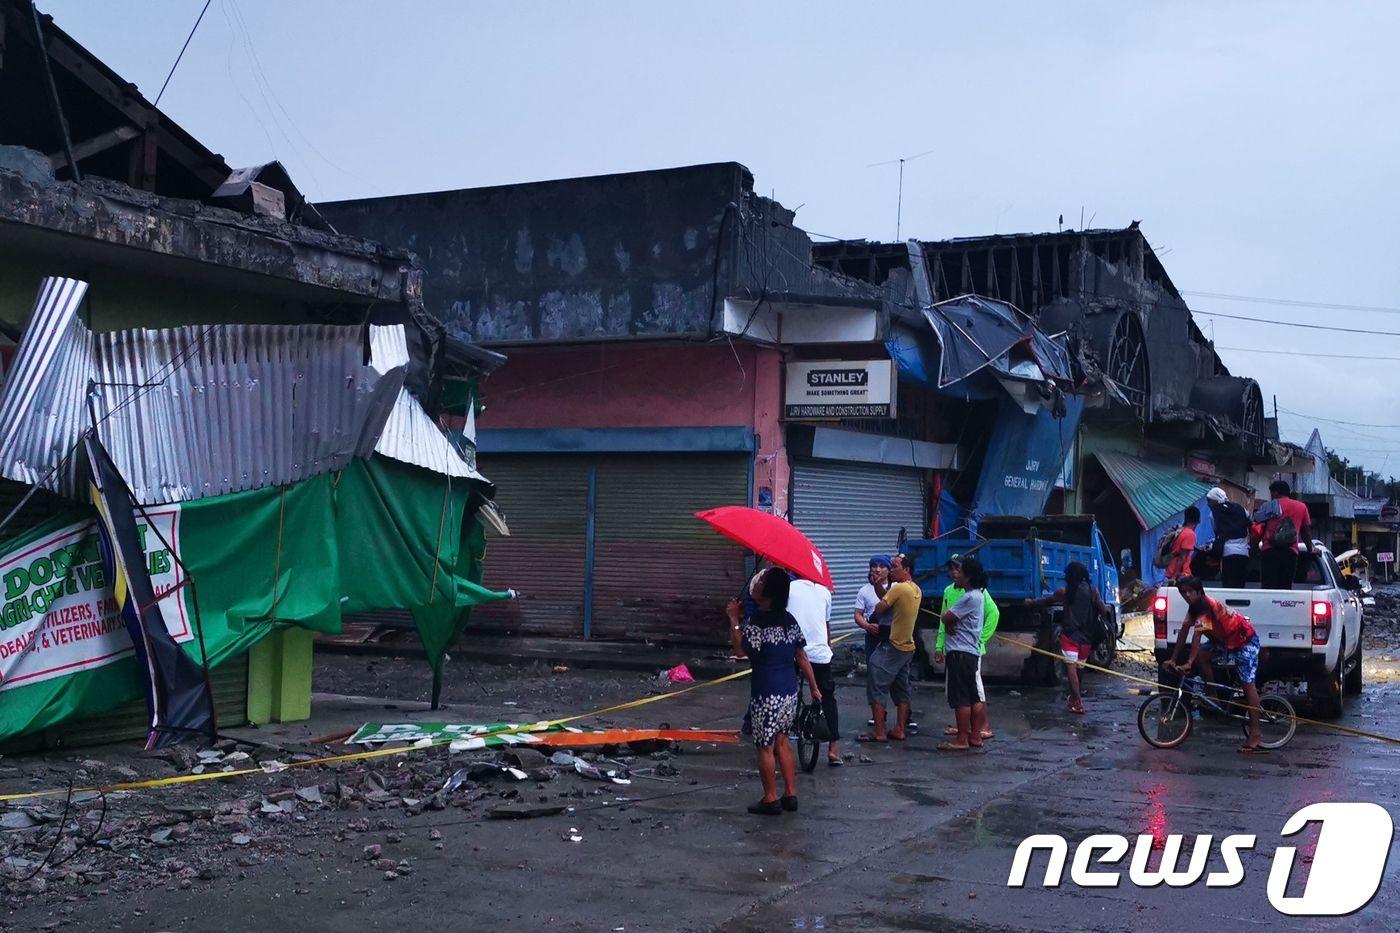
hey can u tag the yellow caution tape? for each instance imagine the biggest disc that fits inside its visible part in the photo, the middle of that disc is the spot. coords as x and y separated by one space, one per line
380 752
1347 730
1360 733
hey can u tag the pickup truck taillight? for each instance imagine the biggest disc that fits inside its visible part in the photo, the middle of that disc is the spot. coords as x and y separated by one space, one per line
1159 617
1321 622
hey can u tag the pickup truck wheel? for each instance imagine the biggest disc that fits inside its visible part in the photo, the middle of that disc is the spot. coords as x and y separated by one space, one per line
1352 679
1327 694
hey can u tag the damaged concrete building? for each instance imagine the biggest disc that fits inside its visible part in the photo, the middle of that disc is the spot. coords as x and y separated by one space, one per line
100 187
1168 420
673 348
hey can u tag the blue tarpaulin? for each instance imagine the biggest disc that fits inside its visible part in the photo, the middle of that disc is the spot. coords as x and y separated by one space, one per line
1024 456
1149 539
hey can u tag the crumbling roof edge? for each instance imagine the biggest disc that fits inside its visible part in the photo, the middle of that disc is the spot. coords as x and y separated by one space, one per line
110 212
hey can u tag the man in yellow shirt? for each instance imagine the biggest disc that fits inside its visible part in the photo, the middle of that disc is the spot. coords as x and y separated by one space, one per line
889 666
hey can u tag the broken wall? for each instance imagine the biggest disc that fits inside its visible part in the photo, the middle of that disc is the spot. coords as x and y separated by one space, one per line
645 254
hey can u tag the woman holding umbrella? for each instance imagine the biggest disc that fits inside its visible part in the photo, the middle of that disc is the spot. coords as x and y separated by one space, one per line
773 641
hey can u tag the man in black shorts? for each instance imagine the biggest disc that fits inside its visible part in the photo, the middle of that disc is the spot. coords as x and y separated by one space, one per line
961 653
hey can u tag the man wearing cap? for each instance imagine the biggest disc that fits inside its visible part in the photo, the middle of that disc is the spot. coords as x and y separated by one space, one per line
1231 543
875 625
991 615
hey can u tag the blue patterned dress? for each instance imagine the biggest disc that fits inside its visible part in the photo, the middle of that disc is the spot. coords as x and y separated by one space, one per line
771 639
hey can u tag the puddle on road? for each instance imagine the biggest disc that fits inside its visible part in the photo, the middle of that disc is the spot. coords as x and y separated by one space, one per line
917 795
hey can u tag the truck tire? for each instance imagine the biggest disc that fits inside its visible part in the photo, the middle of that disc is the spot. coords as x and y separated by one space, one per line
1352 679
1327 695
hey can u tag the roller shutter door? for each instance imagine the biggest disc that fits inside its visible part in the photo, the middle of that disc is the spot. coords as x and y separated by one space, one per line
544 500
851 511
659 573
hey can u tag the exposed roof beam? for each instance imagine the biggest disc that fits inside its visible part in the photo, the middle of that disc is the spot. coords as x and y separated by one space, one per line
99 143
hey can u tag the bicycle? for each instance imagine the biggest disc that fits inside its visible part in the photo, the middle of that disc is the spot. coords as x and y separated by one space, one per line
1165 719
810 726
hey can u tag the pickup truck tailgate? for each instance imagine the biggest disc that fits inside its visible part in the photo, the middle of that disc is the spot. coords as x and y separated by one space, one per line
1282 618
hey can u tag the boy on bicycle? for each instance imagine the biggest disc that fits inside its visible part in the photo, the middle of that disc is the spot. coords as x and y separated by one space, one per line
1234 640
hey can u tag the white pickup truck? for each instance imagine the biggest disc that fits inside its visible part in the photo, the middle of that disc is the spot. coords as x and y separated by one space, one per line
1310 633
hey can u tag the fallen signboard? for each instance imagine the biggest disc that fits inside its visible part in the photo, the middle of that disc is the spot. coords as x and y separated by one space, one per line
469 736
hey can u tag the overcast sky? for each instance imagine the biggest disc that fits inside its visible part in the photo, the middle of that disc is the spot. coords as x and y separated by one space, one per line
1256 142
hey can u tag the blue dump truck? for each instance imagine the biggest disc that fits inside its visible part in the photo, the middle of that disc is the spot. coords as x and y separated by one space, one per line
1024 558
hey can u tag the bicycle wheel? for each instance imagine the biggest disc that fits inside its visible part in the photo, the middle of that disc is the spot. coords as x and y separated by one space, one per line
1164 719
1276 722
808 747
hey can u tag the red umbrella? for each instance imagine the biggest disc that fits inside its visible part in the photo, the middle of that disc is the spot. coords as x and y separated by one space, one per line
771 537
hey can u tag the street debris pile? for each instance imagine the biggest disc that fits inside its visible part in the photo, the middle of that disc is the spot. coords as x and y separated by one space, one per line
182 836
1382 621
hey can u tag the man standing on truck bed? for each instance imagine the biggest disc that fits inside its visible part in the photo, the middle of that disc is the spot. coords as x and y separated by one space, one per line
1231 538
1184 544
1285 528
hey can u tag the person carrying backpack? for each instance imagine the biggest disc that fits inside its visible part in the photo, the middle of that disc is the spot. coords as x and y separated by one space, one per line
1284 529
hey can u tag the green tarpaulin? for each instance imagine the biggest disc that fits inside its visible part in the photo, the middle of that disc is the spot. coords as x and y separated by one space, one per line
378 535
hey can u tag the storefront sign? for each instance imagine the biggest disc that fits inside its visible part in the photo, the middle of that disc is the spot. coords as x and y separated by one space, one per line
1200 465
1385 557
58 615
828 389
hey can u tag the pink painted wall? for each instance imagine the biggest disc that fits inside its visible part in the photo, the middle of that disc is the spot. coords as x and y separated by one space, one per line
647 385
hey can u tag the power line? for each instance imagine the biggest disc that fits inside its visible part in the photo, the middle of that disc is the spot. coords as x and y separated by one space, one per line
1264 320
1326 356
1354 424
199 20
1292 302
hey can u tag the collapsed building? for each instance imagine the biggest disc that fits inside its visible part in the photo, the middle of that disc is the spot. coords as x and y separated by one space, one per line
1165 419
250 370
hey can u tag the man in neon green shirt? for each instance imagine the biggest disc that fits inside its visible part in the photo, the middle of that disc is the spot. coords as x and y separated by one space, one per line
991 615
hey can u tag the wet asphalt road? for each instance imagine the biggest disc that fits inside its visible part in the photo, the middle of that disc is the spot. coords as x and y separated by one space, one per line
914 838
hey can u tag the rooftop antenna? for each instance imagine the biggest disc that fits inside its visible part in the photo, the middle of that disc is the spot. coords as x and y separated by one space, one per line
899 206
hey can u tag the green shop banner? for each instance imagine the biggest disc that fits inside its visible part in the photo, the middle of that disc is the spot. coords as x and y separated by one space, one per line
379 535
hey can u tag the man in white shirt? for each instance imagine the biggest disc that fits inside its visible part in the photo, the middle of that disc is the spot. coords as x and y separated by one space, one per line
810 604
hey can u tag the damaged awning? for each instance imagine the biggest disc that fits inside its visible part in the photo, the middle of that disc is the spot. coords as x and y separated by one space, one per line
1155 491
982 349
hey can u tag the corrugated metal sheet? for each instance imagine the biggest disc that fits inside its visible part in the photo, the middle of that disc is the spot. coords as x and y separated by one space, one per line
46 388
658 573
852 511
409 434
544 498
1155 491
191 412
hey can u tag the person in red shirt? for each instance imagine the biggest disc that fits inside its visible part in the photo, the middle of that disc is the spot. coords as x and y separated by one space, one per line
1185 544
1232 639
1278 565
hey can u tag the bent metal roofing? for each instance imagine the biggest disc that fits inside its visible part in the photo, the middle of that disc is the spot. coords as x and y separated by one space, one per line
191 412
1155 491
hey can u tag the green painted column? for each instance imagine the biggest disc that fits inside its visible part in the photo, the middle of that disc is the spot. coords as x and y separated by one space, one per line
279 677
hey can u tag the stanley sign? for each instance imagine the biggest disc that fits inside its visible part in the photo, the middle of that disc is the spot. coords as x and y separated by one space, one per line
829 389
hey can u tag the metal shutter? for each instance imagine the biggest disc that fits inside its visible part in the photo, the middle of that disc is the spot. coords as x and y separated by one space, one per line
850 512
544 499
659 573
